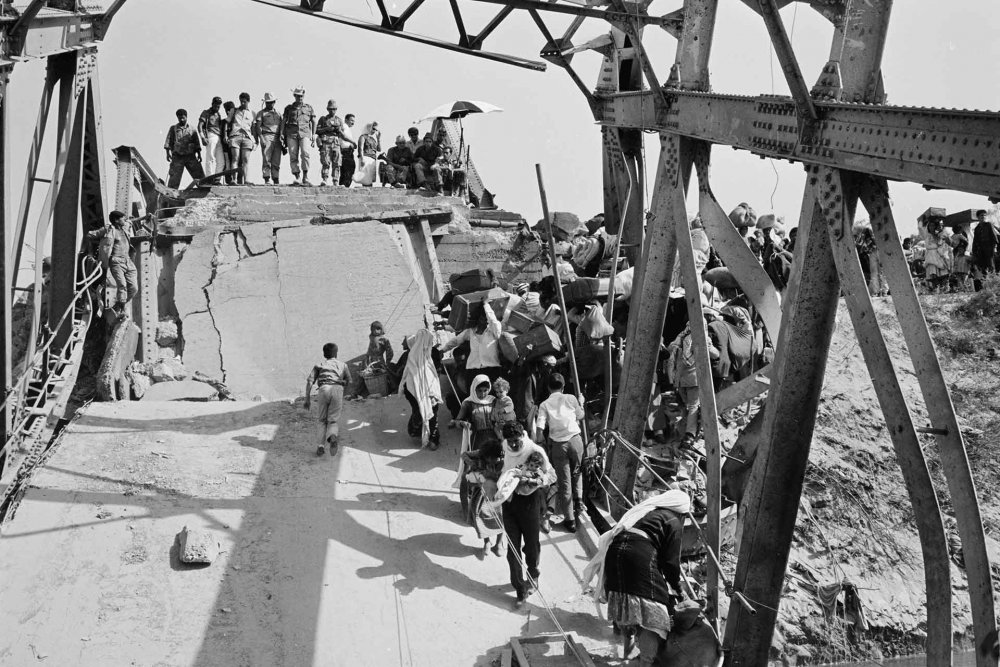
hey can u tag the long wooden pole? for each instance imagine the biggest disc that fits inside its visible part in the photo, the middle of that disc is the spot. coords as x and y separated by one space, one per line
559 293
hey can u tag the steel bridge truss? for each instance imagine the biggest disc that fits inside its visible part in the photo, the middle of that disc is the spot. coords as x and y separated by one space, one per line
65 35
851 144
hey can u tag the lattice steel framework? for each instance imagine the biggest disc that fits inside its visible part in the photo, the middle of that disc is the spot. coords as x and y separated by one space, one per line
851 144
66 35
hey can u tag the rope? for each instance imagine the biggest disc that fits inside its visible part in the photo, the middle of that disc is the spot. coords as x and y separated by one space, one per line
534 582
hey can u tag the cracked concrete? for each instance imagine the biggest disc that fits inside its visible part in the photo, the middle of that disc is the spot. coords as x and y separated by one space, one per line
269 297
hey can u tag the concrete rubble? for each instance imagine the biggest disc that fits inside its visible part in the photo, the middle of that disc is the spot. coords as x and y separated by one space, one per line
197 546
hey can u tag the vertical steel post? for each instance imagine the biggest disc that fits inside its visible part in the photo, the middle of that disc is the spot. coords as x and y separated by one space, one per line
66 226
8 271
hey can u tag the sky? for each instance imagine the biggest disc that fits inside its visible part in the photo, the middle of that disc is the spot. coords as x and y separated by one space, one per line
159 56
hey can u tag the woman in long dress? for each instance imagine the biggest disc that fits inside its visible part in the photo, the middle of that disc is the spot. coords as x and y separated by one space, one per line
421 386
638 569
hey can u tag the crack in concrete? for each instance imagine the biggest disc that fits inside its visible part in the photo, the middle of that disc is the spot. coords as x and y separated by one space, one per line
208 302
281 296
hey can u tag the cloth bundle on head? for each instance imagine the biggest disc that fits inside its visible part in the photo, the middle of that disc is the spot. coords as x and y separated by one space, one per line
585 249
421 378
743 216
673 500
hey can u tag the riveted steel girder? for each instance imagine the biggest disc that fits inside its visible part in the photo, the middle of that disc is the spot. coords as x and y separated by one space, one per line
951 149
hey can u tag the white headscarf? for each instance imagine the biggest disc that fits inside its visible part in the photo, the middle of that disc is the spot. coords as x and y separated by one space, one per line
421 378
674 500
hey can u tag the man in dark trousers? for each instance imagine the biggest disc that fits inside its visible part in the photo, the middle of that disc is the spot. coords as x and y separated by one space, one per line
984 250
115 238
183 146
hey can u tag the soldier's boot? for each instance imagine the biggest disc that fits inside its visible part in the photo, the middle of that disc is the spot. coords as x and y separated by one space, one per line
295 179
305 178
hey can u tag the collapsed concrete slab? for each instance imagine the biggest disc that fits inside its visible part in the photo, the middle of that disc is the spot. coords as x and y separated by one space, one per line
261 278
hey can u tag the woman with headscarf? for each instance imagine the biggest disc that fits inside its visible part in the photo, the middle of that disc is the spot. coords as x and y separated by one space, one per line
638 569
369 146
421 386
734 337
476 419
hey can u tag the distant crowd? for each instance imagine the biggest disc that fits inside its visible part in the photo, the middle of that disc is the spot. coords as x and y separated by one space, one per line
949 250
228 133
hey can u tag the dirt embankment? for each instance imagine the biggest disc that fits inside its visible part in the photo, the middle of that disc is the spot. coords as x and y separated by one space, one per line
856 522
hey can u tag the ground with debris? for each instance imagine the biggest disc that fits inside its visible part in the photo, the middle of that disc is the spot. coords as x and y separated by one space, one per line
856 522
357 560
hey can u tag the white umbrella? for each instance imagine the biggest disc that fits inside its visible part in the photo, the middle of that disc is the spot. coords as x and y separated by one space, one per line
459 109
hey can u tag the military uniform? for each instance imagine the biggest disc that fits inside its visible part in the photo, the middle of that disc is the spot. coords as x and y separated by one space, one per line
330 130
114 254
298 120
184 145
396 168
265 128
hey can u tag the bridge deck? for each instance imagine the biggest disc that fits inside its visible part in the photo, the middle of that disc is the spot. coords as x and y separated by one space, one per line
358 560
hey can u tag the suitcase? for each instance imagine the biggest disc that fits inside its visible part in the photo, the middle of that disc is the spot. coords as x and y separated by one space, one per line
474 280
585 290
518 322
537 342
465 307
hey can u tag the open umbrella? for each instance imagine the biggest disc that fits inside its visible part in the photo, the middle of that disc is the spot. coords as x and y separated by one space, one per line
458 110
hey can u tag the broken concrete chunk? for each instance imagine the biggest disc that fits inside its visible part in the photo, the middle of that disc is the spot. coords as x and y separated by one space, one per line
167 370
197 546
181 390
140 384
166 333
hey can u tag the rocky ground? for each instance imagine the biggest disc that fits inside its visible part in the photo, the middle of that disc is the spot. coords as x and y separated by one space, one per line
856 522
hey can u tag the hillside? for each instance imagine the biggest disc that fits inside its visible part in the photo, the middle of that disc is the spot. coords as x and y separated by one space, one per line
856 523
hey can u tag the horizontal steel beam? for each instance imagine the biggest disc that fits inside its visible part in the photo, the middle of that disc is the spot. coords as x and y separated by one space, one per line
430 41
48 33
938 148
639 17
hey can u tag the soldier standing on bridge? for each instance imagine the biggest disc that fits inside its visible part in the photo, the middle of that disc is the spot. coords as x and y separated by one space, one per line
265 130
298 127
330 130
183 146
113 252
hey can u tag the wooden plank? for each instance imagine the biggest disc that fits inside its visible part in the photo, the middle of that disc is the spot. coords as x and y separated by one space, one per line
506 658
519 654
740 392
951 446
578 651
923 499
706 393
438 283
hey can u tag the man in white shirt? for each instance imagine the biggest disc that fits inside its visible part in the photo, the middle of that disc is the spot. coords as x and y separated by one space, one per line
562 414
241 139
484 348
347 146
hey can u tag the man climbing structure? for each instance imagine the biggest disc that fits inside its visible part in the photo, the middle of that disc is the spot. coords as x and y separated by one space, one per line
113 251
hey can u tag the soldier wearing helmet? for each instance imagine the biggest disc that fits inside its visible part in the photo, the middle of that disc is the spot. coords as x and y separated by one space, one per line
298 128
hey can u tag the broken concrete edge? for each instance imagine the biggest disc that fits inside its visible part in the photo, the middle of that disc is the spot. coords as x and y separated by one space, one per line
117 357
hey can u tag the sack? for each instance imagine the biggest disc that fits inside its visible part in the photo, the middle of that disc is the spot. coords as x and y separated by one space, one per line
473 280
365 175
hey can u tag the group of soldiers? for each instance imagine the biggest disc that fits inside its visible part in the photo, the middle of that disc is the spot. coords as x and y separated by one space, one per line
229 133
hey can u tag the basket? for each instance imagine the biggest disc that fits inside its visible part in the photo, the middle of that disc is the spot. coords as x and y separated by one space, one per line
376 381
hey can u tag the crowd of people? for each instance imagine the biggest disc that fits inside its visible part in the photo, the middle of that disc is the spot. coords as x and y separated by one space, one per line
502 369
229 133
944 257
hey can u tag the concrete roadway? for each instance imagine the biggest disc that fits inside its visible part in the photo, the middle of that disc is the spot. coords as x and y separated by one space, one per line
358 560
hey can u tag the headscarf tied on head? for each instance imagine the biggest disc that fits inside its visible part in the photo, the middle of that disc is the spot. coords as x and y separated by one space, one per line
673 500
421 378
476 381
